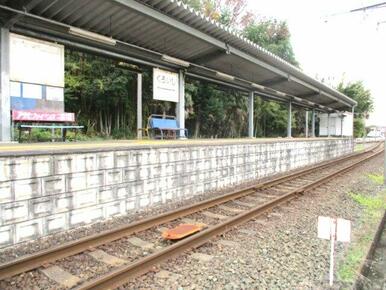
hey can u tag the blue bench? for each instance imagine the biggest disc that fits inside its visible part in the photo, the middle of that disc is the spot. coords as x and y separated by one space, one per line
164 127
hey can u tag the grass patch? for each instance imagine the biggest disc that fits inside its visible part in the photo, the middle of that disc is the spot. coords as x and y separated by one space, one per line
377 178
359 147
370 203
347 271
374 207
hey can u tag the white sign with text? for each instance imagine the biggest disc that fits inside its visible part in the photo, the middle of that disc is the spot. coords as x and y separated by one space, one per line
165 85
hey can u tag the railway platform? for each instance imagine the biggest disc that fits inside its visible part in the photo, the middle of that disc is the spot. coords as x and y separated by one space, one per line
113 145
48 188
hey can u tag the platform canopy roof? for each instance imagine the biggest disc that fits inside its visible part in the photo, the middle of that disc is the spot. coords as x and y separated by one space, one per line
154 32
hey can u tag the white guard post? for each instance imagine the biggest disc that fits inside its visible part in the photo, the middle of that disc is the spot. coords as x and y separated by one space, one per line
334 230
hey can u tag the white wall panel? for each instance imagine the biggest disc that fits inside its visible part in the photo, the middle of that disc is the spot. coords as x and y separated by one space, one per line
32 91
15 89
336 125
55 94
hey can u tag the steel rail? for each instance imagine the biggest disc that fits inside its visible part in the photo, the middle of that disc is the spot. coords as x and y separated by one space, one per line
33 261
125 273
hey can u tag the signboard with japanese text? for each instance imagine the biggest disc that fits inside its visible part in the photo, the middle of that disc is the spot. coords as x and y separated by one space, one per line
165 85
42 117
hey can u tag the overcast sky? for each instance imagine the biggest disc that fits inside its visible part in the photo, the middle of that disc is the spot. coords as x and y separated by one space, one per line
332 44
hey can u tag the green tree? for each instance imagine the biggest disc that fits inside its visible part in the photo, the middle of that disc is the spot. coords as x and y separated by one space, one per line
272 35
216 113
230 13
358 92
270 118
359 128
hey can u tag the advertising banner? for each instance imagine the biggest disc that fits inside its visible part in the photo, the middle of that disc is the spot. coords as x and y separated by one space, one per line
42 117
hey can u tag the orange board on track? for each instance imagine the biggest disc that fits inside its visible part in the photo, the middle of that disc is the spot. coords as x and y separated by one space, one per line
181 231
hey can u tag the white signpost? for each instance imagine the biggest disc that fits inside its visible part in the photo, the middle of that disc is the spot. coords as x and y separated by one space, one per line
334 230
165 85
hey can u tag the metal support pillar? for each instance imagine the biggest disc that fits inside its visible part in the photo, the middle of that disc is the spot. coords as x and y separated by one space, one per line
328 125
353 117
5 103
289 122
341 125
306 129
180 108
313 123
139 106
250 114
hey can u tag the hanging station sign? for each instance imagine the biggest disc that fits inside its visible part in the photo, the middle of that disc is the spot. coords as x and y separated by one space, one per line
165 85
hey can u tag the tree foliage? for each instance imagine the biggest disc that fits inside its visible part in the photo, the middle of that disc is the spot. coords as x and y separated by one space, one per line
272 35
230 13
358 92
215 113
98 92
359 128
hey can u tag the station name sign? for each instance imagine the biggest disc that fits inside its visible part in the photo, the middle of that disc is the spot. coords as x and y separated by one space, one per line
165 85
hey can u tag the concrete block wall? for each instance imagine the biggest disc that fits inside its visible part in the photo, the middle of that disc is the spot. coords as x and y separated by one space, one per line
45 194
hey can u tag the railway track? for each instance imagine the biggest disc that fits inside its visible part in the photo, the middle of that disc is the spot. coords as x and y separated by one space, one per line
139 246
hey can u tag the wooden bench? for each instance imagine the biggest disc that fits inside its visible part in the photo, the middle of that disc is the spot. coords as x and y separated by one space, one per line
163 127
46 120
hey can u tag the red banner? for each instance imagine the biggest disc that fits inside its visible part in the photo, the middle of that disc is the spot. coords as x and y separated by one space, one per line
42 117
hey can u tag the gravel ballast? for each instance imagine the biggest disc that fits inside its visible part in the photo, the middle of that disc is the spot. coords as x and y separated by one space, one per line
276 251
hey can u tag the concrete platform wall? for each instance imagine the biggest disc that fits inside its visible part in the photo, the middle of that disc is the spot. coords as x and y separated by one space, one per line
44 194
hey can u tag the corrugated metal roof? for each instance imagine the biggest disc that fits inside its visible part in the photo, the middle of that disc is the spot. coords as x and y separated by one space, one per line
170 27
233 38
